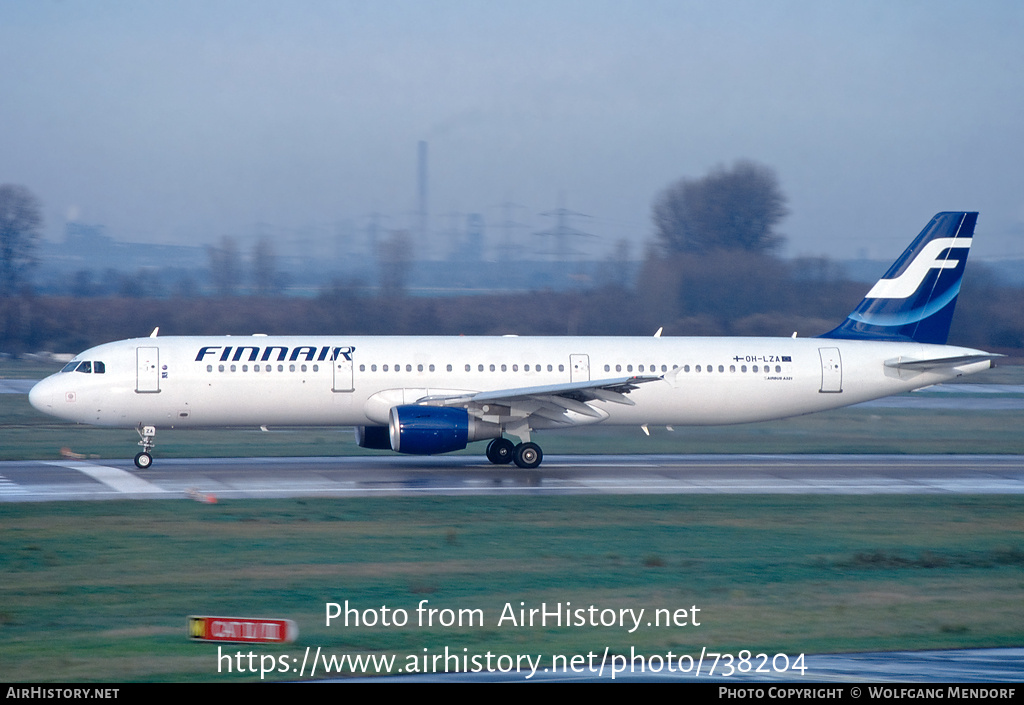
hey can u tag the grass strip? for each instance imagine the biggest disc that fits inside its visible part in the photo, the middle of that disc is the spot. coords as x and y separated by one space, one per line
99 591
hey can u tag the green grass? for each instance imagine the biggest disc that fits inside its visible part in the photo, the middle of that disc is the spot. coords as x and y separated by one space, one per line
100 590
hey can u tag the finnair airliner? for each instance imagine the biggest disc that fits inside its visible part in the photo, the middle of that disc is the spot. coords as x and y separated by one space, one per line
429 395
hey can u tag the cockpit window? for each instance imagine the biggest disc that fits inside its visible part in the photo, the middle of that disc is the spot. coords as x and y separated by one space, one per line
85 366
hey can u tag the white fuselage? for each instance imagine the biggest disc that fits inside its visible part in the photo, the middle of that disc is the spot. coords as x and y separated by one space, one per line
191 382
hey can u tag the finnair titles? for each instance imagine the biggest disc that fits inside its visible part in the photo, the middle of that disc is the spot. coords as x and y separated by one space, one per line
430 395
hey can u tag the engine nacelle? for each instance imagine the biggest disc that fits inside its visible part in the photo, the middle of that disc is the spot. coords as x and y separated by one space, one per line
427 430
374 437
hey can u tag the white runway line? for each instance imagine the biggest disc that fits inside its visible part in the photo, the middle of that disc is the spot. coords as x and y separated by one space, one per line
11 489
112 477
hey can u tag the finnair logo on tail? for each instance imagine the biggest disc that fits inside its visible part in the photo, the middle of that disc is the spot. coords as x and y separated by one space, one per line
928 258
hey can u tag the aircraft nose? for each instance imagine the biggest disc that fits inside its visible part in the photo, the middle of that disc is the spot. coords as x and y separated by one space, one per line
41 396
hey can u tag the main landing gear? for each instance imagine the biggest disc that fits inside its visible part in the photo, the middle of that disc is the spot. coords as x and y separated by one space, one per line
147 433
502 451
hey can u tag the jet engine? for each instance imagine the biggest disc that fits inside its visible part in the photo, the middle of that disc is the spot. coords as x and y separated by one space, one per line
427 430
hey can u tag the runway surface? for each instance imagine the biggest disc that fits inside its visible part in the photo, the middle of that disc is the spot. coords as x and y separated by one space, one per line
394 475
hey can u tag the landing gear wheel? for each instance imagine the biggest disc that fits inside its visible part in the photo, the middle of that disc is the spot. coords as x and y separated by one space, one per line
500 451
146 435
528 455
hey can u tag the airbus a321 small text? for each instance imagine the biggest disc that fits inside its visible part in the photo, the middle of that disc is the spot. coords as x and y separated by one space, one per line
430 395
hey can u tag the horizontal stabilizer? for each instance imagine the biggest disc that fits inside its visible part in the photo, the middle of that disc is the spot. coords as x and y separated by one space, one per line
938 362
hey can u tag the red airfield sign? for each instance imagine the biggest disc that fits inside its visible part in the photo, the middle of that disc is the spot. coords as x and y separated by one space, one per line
242 630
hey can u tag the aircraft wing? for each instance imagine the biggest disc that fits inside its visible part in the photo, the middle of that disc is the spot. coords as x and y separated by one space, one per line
554 402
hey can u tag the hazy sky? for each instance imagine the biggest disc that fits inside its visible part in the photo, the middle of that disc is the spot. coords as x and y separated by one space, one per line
185 121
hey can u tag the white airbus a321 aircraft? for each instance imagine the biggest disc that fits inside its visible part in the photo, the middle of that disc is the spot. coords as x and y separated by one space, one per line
428 395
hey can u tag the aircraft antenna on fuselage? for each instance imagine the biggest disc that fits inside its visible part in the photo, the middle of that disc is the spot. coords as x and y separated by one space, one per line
155 331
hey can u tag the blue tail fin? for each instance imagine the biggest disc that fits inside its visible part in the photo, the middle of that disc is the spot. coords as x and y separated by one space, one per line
916 297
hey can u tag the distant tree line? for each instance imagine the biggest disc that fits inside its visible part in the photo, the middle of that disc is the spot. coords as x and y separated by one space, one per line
737 299
712 269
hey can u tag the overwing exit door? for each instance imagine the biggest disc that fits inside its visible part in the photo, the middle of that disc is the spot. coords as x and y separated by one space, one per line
579 367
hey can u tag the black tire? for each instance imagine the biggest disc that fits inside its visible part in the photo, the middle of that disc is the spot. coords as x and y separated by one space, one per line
528 455
143 460
500 451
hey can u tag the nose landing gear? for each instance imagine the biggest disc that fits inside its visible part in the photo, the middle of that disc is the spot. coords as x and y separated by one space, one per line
146 433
